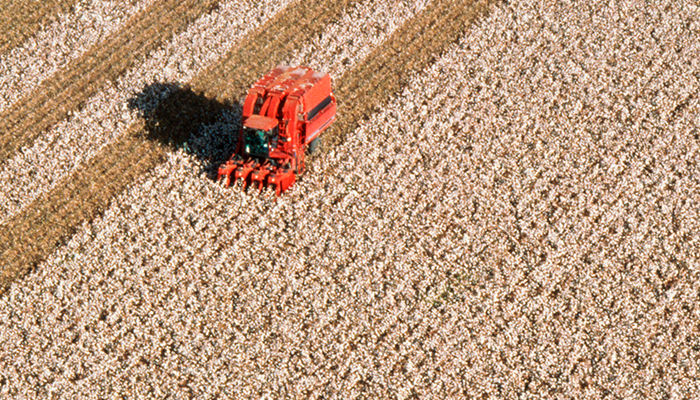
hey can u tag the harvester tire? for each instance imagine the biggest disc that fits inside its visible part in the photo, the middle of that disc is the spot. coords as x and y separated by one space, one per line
315 145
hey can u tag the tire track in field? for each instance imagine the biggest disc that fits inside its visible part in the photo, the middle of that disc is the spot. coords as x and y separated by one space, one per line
85 194
21 19
67 90
59 151
56 215
385 71
41 56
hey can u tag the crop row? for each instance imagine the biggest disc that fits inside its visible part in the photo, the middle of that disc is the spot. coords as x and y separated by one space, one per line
67 90
21 19
515 216
56 45
107 115
230 254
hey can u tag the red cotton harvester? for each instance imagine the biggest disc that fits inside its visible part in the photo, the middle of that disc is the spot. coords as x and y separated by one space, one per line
283 115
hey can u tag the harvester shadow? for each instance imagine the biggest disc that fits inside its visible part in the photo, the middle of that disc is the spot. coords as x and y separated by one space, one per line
179 118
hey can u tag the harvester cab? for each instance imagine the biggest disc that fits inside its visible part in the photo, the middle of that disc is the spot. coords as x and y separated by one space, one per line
260 134
283 113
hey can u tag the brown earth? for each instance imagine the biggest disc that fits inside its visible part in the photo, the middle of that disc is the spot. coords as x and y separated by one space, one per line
67 90
533 239
41 228
412 48
20 19
54 217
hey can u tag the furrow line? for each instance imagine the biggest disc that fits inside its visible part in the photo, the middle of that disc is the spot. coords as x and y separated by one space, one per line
266 49
349 40
21 19
41 56
28 237
67 91
385 71
439 220
108 114
439 25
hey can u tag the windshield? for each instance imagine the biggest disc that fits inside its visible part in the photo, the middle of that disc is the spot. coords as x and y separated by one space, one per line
257 141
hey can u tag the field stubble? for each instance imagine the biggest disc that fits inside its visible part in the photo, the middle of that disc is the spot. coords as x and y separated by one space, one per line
90 189
53 47
133 144
518 220
21 19
66 91
107 115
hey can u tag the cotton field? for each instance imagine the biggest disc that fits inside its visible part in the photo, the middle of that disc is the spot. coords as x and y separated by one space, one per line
516 221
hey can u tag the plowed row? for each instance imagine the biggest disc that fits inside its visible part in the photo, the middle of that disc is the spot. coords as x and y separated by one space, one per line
57 44
67 90
20 19
87 192
514 220
107 115
385 71
55 216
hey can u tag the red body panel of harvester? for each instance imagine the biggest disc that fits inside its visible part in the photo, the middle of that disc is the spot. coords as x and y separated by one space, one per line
285 111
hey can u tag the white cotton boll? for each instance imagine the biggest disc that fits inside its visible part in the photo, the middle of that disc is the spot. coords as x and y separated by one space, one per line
78 135
403 277
59 43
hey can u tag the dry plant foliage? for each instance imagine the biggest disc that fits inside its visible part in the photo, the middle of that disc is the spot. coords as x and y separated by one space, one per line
68 89
21 19
34 233
56 45
518 220
54 216
107 115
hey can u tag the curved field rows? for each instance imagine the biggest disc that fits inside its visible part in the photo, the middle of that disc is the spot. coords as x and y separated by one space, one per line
22 19
26 66
107 115
518 221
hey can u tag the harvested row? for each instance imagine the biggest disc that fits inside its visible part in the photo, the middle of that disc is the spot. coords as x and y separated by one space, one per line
66 91
103 365
56 215
349 40
107 115
446 256
412 48
231 77
26 66
88 192
21 19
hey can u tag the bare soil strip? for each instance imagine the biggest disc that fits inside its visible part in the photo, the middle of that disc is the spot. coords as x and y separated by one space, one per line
67 90
350 39
386 70
60 150
264 50
57 44
454 252
20 19
33 234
